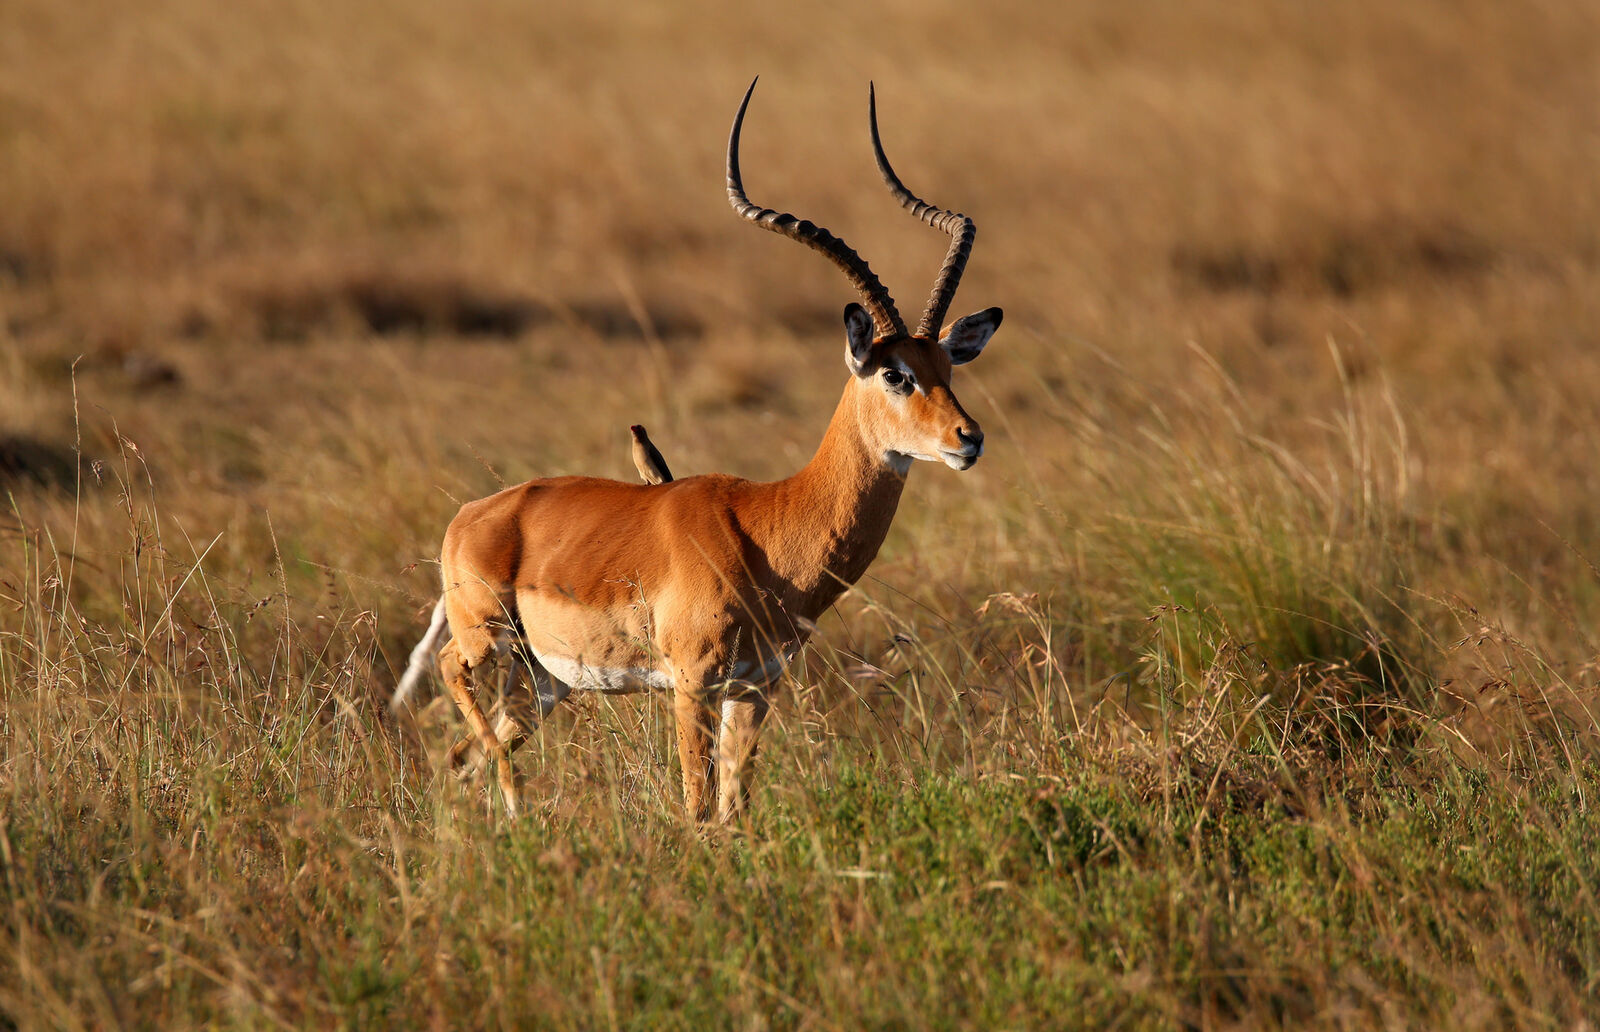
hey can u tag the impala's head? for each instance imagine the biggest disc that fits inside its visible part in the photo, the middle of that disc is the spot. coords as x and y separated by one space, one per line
901 384
900 380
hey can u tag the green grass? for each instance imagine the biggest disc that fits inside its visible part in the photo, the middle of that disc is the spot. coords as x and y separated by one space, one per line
1405 888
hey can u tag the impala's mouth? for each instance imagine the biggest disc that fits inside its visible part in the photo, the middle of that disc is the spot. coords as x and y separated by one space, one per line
961 460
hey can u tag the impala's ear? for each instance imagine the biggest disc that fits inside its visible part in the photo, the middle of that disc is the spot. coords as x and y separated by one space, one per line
969 334
858 337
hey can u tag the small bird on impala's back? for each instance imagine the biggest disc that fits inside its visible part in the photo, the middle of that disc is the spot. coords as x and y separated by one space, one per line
645 456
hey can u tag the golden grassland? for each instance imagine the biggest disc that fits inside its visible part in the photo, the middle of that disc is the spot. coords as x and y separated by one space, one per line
1247 681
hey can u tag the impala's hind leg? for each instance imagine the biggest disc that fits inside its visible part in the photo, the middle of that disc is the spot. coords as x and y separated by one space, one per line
459 668
513 714
508 716
527 695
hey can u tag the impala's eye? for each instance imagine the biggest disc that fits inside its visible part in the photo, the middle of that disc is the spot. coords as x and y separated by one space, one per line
894 377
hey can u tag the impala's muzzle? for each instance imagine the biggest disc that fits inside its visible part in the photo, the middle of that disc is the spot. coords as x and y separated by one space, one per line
966 456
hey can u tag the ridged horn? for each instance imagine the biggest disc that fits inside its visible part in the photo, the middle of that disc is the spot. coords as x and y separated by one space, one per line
873 293
962 231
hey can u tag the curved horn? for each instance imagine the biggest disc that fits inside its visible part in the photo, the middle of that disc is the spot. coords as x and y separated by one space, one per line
962 232
873 293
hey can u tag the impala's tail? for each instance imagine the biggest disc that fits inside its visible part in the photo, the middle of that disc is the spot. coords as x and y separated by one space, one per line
422 657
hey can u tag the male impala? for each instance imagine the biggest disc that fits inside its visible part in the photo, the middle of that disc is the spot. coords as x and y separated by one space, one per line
708 586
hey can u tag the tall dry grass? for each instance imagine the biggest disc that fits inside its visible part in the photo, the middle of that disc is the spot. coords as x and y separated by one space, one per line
1248 681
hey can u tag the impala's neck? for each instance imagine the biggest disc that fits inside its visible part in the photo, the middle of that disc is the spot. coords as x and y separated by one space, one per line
832 516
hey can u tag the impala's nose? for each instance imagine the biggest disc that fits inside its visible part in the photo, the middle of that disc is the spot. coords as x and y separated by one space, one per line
971 448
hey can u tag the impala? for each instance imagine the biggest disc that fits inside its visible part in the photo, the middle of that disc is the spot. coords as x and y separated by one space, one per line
706 587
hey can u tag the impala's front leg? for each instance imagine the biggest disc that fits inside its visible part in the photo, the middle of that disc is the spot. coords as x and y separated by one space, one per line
691 706
736 752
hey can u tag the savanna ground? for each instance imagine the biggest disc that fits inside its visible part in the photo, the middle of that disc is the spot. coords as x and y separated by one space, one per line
1249 681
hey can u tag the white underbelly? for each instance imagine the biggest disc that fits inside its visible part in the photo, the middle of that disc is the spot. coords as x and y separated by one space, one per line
589 678
585 677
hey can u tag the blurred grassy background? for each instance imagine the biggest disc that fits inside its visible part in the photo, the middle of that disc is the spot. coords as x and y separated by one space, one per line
1293 428
294 231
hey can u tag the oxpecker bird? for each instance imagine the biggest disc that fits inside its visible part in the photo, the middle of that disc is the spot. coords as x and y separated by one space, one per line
645 456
